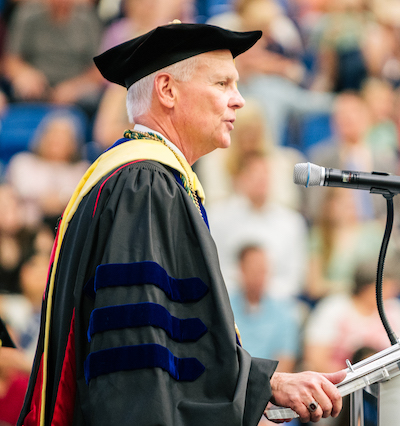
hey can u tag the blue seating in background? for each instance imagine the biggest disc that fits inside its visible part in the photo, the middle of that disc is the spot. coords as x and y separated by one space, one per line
304 131
206 9
315 128
19 122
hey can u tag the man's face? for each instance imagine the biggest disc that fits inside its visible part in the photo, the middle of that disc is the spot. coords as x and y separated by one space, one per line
254 181
254 273
207 103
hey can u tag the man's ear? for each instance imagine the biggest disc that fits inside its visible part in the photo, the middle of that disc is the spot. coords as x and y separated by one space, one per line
165 89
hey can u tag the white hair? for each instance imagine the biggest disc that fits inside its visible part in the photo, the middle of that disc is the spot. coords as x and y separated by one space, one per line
139 96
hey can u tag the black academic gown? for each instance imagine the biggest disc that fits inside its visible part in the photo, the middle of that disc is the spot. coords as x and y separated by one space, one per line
142 332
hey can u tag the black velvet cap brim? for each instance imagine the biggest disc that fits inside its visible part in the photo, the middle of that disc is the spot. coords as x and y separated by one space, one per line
130 61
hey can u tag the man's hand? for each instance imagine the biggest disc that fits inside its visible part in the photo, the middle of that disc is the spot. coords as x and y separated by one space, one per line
298 390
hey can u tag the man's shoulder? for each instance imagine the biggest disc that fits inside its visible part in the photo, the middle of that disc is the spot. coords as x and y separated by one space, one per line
139 184
152 167
145 163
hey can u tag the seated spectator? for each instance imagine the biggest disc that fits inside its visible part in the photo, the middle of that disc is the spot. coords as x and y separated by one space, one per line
268 327
22 312
22 315
382 135
33 278
339 241
339 43
250 215
55 163
49 53
15 239
381 42
342 323
280 50
139 17
307 16
347 149
5 5
14 376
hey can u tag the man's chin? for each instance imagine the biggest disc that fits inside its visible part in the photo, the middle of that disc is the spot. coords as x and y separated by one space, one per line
226 143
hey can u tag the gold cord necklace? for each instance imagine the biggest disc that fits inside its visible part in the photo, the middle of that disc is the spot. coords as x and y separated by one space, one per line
187 183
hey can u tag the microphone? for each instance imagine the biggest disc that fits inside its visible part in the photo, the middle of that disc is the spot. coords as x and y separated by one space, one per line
309 174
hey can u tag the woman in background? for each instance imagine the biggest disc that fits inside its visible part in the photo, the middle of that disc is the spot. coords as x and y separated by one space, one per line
46 177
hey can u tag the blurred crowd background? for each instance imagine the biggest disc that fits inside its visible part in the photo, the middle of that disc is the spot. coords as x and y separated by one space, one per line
322 85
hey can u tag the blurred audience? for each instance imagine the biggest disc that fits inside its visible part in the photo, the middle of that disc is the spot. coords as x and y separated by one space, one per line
22 315
15 239
342 323
348 149
272 70
280 50
139 17
20 308
56 164
111 118
250 135
382 136
48 55
382 42
14 377
339 241
22 312
307 15
269 328
338 41
249 215
22 282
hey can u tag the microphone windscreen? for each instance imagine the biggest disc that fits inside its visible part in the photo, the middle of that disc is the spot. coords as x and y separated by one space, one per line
308 174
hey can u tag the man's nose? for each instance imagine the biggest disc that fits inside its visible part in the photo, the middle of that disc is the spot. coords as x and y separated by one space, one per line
237 100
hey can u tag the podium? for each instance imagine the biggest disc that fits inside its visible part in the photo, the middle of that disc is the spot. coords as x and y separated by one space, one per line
374 386
376 405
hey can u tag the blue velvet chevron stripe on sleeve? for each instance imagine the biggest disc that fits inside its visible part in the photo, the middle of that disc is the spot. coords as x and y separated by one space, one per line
141 356
145 314
119 316
148 272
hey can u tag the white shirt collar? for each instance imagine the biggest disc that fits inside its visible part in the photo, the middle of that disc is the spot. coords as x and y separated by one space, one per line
141 128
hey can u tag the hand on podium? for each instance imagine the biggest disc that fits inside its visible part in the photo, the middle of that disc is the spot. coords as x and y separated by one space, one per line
311 395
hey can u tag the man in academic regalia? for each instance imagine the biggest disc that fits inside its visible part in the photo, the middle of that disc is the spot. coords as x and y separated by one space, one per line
137 327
